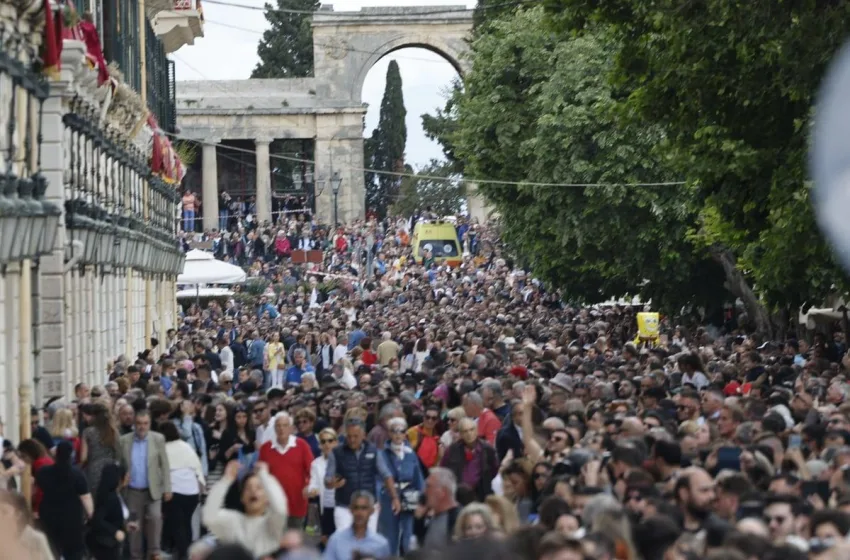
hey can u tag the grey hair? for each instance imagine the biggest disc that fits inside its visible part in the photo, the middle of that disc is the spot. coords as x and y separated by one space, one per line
310 376
597 505
362 495
389 409
397 423
445 479
474 398
299 352
494 387
110 385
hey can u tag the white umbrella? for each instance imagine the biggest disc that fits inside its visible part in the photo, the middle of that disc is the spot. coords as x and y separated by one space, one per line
204 293
203 268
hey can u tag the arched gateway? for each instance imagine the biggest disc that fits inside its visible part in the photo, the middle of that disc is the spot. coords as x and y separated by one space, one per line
326 108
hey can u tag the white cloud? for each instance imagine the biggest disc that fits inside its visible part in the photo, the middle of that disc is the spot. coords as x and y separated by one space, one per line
226 53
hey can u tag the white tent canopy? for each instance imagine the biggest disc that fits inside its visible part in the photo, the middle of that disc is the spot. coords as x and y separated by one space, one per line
203 268
204 293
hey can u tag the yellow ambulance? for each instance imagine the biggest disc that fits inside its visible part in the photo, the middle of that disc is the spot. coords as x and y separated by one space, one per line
440 238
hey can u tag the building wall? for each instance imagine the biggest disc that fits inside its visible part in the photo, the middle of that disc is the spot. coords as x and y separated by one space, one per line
83 317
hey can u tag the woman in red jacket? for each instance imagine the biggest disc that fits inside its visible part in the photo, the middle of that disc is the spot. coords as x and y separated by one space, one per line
36 456
289 458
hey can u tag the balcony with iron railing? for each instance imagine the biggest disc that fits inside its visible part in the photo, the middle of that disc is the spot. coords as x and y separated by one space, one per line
176 22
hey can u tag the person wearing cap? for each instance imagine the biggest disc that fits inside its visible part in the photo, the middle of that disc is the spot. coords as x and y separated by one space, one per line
357 466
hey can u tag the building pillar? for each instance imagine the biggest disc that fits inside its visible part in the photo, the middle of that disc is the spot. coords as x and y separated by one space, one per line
54 323
13 364
209 197
339 149
264 180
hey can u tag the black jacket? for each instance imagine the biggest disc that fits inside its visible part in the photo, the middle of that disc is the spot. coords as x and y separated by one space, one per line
108 519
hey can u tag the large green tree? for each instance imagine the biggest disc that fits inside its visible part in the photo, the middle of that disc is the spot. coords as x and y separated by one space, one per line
435 185
286 49
384 150
732 83
538 109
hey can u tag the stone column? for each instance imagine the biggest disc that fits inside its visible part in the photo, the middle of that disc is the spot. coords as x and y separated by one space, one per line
12 373
264 180
209 196
339 149
53 322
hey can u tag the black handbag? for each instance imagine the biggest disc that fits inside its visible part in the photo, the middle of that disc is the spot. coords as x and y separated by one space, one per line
409 497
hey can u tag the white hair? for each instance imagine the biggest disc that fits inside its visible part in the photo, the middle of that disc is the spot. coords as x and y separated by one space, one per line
310 376
397 423
282 415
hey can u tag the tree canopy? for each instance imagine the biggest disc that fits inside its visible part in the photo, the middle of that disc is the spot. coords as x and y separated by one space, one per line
538 109
717 95
384 150
733 83
286 49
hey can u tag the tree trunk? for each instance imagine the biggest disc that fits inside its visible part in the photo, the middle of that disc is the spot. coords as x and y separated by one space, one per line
737 284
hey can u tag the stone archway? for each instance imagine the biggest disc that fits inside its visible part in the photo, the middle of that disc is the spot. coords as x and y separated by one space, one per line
347 45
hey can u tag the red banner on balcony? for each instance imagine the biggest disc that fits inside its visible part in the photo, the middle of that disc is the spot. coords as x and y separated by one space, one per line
52 56
94 52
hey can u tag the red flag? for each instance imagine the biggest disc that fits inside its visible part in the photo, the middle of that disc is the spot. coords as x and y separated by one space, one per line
92 41
52 41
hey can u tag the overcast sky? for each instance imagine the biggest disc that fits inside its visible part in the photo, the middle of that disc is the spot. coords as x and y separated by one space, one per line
225 53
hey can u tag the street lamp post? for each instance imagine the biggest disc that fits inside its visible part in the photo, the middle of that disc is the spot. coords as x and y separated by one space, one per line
336 182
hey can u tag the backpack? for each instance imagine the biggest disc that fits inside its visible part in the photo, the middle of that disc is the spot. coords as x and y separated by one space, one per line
427 449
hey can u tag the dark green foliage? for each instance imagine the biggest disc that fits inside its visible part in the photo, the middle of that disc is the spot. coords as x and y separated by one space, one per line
384 150
286 49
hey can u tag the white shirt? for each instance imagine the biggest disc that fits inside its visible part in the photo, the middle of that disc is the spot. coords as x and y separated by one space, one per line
265 433
290 443
327 497
226 355
340 352
347 380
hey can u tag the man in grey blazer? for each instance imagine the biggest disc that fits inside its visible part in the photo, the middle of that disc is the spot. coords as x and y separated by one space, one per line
143 454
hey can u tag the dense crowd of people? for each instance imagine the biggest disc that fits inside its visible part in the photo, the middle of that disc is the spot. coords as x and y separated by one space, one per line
366 406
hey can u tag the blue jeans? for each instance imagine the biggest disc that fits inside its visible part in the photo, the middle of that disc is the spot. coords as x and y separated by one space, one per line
398 529
222 220
188 220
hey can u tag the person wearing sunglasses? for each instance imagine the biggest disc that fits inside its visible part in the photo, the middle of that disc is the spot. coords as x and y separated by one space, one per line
410 483
328 439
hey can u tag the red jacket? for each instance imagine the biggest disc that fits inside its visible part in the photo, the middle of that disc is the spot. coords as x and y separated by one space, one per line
292 471
488 426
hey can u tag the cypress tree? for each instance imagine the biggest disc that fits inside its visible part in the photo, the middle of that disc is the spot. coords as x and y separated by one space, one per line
286 49
385 149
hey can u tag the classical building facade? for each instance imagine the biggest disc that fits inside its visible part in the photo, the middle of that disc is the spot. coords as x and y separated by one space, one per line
88 257
326 109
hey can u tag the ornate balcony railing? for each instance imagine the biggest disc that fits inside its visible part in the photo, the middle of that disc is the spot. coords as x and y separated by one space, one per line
28 223
114 204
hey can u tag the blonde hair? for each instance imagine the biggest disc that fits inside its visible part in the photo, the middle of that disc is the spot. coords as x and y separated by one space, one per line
457 413
507 512
688 428
468 511
329 432
63 424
